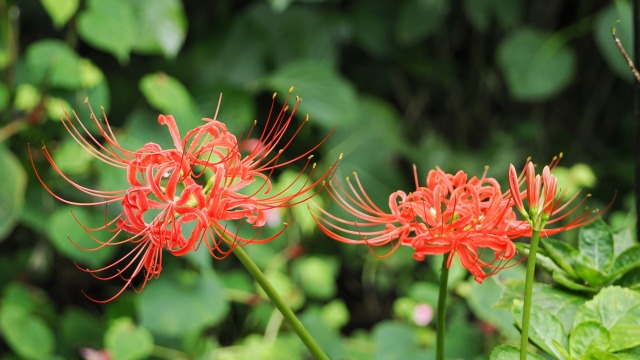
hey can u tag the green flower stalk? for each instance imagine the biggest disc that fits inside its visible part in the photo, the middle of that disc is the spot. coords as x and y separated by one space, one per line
546 205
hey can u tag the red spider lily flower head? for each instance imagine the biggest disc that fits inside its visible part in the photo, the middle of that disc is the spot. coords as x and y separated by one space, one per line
201 184
451 214
546 204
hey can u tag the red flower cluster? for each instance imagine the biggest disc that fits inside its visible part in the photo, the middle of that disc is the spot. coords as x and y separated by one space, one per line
451 214
181 197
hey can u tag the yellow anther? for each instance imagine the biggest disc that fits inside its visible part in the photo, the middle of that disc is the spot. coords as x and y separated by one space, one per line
291 89
274 95
340 157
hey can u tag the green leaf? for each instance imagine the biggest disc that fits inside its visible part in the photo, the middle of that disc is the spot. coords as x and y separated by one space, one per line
180 302
544 328
571 284
622 240
605 19
79 328
60 11
393 340
536 65
52 62
510 352
625 262
162 26
326 96
618 310
317 276
70 239
596 242
12 191
168 95
419 19
562 254
327 338
126 341
588 272
109 25
587 337
631 279
27 335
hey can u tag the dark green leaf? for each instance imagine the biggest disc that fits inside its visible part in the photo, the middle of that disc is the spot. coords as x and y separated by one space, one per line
27 335
606 18
618 310
162 26
66 232
510 352
562 254
326 96
200 298
536 65
596 242
109 25
572 284
60 11
587 337
126 341
419 19
12 191
52 62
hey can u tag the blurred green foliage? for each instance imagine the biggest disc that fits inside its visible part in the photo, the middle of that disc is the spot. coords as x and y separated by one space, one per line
458 84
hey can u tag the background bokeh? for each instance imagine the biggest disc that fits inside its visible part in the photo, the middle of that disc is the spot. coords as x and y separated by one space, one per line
455 84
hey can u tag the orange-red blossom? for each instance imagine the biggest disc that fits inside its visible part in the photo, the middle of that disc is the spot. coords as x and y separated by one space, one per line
450 214
201 184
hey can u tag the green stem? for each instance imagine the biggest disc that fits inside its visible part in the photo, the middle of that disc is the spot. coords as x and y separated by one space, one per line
528 291
442 308
297 326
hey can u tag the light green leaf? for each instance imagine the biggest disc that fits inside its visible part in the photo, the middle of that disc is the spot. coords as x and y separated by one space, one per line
327 97
536 65
12 191
109 25
562 254
180 302
618 310
317 276
625 262
510 352
419 19
126 341
596 242
162 26
393 340
587 337
70 239
60 11
622 240
27 335
54 63
168 95
544 328
605 19
90 74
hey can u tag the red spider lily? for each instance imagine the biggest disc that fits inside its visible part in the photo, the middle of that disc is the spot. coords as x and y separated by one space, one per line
546 204
164 194
449 215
